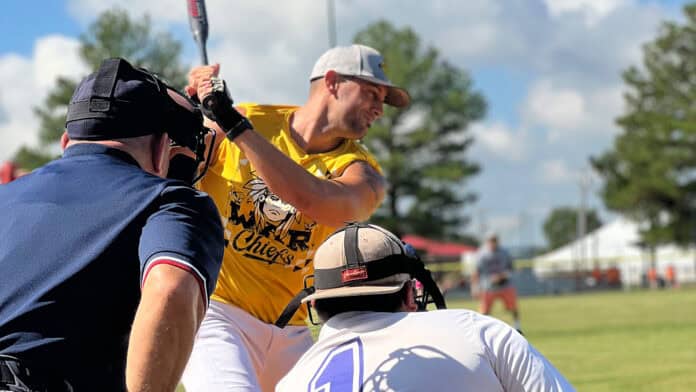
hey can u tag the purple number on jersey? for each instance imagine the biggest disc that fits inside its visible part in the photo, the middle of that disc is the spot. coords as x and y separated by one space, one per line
341 370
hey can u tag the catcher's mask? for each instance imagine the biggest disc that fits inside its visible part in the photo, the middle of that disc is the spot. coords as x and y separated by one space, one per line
364 259
123 101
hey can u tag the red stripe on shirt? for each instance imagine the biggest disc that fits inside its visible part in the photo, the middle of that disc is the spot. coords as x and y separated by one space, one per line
184 267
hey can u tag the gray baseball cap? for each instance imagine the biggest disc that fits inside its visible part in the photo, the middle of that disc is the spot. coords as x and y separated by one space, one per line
362 62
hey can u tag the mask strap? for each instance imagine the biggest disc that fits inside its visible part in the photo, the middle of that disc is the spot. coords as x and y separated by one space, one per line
105 81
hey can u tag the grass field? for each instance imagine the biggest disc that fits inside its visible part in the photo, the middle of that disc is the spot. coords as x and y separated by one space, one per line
616 341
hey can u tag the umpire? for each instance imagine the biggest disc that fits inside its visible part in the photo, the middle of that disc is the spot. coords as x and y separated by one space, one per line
105 265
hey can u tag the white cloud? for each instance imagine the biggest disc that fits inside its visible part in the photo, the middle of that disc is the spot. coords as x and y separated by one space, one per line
505 225
266 48
576 111
537 36
499 140
477 35
252 23
56 56
553 38
605 104
159 10
26 83
555 108
556 172
254 78
591 10
18 125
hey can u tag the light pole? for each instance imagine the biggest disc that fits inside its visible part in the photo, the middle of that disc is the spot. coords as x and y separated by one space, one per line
584 183
331 22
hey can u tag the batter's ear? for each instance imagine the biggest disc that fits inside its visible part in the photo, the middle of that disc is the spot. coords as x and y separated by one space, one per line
331 80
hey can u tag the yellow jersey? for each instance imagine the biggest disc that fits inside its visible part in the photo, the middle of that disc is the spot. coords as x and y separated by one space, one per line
268 243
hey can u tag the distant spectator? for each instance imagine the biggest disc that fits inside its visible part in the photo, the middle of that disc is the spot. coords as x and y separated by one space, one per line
597 275
652 277
671 276
613 277
491 278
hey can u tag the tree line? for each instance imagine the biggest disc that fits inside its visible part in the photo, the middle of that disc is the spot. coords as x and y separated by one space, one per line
648 174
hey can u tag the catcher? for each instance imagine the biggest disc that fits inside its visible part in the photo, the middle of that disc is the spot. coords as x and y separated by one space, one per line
373 339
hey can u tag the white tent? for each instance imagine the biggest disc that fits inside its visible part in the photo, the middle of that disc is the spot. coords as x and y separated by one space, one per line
616 244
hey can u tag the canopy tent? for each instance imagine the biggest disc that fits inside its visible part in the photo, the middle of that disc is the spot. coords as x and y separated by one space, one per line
437 249
615 244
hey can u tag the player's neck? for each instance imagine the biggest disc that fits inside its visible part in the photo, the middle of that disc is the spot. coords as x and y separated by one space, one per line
309 128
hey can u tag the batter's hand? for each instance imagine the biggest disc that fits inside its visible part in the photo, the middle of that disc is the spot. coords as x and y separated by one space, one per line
499 278
199 80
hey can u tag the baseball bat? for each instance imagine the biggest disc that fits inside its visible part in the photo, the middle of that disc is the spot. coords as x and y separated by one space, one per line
182 167
198 19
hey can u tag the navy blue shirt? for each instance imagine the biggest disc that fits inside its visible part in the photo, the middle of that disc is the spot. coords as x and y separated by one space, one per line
76 239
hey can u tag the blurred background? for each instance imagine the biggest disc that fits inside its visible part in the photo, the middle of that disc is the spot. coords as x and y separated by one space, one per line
566 126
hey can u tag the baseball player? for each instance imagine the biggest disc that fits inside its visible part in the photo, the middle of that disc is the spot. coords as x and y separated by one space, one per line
492 278
107 266
372 340
283 178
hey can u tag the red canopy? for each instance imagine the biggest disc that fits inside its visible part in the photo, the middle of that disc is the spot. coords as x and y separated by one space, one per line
437 248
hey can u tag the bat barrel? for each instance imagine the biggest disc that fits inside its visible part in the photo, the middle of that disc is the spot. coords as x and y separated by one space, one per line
199 26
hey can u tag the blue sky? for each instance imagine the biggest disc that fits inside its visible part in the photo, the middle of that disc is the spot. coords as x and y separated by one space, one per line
549 69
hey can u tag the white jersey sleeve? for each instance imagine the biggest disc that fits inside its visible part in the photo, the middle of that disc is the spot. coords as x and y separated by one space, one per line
518 365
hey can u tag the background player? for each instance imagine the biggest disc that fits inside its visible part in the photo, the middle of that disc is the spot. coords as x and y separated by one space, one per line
492 278
372 340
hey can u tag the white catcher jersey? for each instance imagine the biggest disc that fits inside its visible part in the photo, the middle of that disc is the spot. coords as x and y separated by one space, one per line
444 350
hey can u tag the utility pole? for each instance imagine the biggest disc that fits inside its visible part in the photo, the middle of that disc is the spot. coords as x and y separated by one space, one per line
482 225
331 22
522 228
584 183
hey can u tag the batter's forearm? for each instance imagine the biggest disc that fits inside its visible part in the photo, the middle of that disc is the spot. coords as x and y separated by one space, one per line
326 201
281 174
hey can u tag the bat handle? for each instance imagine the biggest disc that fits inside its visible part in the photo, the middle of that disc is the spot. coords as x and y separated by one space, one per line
204 53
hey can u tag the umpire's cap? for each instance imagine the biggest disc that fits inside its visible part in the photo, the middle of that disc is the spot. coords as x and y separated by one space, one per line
361 259
122 101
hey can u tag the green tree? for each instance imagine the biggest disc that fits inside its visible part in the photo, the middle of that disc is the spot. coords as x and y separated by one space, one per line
649 173
560 227
423 149
113 34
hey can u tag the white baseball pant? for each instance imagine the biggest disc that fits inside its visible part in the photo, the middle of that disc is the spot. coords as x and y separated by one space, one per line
234 351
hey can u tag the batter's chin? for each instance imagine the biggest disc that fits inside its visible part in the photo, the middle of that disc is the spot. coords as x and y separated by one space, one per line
359 133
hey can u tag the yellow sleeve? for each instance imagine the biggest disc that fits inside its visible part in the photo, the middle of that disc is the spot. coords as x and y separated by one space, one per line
356 152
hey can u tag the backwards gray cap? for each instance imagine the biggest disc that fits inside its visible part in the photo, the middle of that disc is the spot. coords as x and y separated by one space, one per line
361 62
